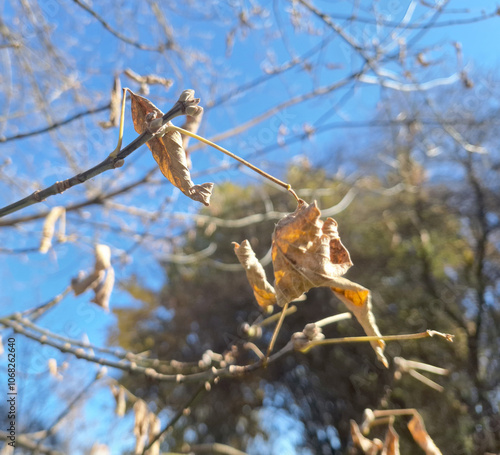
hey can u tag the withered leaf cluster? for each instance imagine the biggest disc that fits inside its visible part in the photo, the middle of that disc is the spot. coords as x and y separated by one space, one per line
306 253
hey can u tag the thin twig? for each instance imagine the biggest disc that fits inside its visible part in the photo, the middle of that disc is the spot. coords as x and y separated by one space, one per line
35 313
177 416
363 339
334 318
99 199
237 158
133 368
52 428
26 443
275 317
215 448
55 125
277 330
115 33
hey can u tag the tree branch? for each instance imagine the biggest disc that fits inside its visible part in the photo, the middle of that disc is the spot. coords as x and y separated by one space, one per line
55 125
115 33
111 162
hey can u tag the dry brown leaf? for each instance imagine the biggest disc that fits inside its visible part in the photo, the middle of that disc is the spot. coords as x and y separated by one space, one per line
369 447
307 253
358 300
49 227
420 435
263 291
168 151
141 425
391 443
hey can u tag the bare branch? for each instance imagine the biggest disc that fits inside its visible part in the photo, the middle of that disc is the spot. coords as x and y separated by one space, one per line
115 33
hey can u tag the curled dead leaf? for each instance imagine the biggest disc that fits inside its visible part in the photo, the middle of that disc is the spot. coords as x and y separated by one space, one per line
263 291
358 300
307 253
167 149
391 443
420 435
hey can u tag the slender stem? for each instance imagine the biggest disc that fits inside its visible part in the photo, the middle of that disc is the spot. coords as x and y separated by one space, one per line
215 448
35 313
277 330
425 380
202 388
332 319
276 316
393 412
279 182
363 339
122 122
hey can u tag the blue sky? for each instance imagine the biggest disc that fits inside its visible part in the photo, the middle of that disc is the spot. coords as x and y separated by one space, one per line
93 56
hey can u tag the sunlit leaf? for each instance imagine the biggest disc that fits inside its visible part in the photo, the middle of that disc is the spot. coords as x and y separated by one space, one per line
358 300
420 435
307 252
168 151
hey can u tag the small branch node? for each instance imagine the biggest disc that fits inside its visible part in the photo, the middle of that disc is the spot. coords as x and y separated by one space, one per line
37 197
61 187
